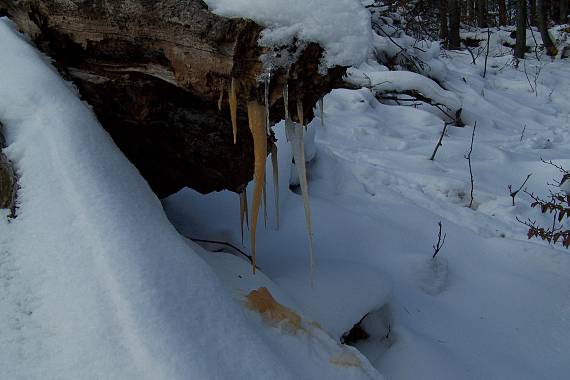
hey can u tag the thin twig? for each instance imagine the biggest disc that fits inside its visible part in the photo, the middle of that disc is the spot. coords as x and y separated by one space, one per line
223 243
522 133
468 158
440 241
487 54
514 193
526 74
439 142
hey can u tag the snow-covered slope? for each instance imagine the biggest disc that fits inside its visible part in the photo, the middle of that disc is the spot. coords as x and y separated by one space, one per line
95 282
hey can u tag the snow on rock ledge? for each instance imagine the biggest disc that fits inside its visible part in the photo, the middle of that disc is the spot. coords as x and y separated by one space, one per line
341 27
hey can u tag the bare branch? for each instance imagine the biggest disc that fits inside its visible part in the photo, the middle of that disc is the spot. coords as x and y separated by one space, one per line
439 142
514 193
440 241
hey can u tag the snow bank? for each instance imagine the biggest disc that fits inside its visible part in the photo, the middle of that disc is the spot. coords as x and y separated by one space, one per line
341 27
112 290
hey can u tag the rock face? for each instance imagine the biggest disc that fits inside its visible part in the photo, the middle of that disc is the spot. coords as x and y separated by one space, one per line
154 73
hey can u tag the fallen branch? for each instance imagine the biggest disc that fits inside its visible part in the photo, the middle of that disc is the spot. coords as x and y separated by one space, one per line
248 257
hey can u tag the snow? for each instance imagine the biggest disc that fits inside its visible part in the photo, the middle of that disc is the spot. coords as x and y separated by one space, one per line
401 81
94 280
493 305
341 27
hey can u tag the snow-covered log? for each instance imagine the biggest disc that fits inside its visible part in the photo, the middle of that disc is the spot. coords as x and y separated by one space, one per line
156 72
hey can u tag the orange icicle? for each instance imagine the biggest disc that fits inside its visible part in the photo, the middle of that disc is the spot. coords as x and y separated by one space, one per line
256 116
233 108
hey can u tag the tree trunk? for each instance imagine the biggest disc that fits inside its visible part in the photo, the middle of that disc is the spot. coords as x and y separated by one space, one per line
154 74
542 26
520 47
454 41
481 13
502 13
533 17
563 11
443 28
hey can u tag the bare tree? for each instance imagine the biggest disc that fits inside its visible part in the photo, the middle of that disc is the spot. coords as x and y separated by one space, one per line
503 12
520 47
563 11
443 28
542 26
532 17
454 41
481 13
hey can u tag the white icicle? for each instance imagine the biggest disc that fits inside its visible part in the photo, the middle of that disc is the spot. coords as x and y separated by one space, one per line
265 202
295 134
267 82
286 104
322 109
275 166
243 213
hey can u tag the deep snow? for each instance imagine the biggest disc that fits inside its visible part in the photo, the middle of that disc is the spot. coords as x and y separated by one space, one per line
493 305
94 280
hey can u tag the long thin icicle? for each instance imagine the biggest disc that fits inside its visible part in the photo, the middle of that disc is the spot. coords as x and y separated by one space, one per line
286 104
267 82
243 213
322 109
265 203
257 127
221 99
233 108
300 114
295 134
275 166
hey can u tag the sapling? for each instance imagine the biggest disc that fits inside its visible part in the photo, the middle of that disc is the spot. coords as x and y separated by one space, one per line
468 158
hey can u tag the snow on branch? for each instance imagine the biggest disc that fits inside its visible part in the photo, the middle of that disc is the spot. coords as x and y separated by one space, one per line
402 81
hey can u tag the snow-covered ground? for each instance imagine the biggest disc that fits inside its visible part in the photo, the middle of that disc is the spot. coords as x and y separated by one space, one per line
95 282
493 305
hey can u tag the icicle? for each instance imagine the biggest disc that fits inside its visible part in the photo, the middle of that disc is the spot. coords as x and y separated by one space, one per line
275 165
267 83
322 109
233 108
300 111
243 211
265 203
221 99
286 104
296 132
257 127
